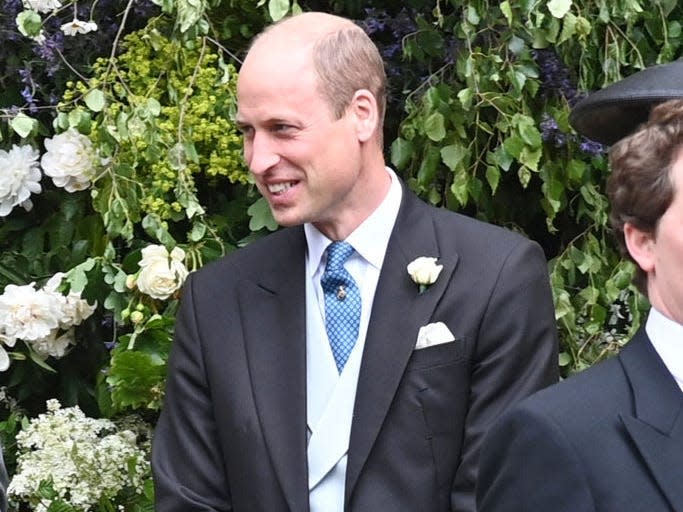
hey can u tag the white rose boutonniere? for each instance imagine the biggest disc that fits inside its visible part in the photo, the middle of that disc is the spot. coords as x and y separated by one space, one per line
424 271
161 274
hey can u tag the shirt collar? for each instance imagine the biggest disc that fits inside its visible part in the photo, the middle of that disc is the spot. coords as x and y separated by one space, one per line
667 338
369 239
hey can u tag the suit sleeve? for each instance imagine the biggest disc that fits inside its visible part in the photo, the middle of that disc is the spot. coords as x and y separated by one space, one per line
515 355
189 474
529 465
3 484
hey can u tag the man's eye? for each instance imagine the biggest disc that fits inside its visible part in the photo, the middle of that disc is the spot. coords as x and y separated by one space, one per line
246 131
282 128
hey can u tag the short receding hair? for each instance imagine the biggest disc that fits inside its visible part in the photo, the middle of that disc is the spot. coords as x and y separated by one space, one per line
640 187
346 60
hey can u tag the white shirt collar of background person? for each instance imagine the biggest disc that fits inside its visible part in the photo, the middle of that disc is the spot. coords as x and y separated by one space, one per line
667 338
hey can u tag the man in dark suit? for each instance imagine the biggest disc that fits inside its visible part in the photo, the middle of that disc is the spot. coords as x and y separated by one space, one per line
260 414
611 438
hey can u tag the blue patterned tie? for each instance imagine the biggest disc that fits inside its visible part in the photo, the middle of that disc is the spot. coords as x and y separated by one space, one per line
342 303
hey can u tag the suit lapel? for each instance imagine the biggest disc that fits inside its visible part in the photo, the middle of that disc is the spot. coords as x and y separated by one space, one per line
657 426
398 312
274 320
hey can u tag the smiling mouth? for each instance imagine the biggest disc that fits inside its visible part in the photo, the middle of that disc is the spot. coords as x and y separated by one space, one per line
280 188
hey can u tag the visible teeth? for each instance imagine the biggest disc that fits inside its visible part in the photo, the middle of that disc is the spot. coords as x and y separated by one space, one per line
278 188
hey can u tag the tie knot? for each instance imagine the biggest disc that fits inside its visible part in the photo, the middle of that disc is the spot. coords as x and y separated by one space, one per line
337 254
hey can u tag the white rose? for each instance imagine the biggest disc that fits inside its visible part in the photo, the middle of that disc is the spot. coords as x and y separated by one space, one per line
19 178
28 314
70 160
54 345
161 274
424 270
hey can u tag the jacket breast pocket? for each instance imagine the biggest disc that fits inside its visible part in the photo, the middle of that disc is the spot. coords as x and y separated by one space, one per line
443 354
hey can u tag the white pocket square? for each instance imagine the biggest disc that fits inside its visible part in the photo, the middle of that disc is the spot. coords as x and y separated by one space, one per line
433 334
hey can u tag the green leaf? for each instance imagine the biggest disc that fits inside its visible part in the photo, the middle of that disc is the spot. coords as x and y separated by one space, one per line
29 23
453 155
493 177
559 8
564 359
401 152
278 9
465 96
460 188
435 127
95 100
568 28
23 125
261 216
507 11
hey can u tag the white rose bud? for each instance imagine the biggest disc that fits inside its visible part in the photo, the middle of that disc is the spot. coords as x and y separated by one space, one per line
424 271
137 317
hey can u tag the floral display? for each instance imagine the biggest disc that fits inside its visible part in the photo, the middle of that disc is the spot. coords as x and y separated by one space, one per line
70 459
42 318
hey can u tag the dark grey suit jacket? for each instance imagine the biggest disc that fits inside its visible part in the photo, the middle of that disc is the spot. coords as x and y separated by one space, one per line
608 439
232 434
3 484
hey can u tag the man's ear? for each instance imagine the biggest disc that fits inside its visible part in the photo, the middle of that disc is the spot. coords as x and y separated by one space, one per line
366 114
640 245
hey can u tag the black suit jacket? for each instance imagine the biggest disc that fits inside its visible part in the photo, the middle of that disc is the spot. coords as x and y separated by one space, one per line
232 433
608 439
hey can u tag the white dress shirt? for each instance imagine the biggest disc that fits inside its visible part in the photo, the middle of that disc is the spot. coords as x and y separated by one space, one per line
330 395
667 338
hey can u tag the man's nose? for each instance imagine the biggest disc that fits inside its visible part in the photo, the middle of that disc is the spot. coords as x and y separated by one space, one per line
260 154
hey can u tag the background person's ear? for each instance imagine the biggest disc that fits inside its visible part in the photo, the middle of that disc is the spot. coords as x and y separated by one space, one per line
640 245
366 114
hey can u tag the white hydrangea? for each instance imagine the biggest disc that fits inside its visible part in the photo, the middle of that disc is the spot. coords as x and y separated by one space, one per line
161 273
86 459
42 5
19 178
78 27
41 318
70 160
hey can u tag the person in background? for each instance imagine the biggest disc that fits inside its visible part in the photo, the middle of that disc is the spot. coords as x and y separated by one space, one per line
4 482
353 360
611 437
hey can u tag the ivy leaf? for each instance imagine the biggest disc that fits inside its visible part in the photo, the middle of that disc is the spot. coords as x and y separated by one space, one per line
95 100
559 8
261 216
23 125
435 127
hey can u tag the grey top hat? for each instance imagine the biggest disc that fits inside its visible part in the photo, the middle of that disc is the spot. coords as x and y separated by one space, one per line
615 111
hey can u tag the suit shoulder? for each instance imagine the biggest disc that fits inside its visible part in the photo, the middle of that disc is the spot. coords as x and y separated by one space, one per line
476 229
584 399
